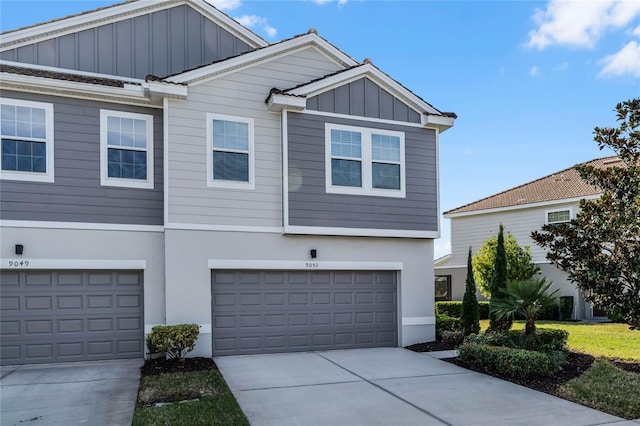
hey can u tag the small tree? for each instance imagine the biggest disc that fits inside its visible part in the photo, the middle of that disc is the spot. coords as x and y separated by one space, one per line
470 315
498 286
600 248
527 298
519 264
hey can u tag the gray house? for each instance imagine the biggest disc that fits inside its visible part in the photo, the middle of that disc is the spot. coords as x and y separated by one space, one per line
162 164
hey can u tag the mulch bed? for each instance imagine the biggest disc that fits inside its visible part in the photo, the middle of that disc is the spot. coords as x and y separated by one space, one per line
577 363
153 367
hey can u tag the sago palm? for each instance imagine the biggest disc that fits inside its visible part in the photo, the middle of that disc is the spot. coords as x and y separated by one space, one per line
527 298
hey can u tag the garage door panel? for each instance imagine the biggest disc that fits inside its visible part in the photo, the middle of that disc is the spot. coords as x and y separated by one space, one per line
287 311
71 316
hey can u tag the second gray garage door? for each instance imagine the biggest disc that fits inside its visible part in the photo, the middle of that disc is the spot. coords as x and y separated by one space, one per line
287 311
57 316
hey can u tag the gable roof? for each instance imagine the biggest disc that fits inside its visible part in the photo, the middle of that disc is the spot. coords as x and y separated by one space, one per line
127 9
563 185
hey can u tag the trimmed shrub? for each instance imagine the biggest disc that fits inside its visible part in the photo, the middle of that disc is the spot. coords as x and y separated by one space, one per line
544 340
174 341
566 307
454 338
446 323
451 309
454 308
518 363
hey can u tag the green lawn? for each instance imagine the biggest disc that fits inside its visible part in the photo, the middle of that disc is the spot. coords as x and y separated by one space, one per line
598 339
206 400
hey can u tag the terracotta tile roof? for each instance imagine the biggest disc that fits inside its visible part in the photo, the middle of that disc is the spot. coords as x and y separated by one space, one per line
32 72
557 186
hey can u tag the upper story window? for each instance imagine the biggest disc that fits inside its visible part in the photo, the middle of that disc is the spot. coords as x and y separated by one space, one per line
558 216
363 161
230 152
27 140
126 149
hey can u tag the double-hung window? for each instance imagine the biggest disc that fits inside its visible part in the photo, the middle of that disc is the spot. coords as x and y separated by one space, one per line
26 130
126 145
363 161
230 152
558 216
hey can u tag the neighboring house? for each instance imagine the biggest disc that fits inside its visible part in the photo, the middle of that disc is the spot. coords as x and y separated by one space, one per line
522 210
162 164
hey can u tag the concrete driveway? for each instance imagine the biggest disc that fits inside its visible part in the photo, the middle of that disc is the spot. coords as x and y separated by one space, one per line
388 386
75 393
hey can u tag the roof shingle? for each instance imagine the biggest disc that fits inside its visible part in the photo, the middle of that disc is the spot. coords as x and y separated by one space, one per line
564 184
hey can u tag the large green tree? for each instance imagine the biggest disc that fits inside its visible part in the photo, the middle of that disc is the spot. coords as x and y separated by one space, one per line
519 265
499 286
470 313
600 248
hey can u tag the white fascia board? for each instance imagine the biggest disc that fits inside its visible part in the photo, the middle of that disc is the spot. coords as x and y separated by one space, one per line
128 92
360 232
173 91
80 226
441 121
268 52
312 265
521 206
278 102
124 11
366 70
72 72
23 262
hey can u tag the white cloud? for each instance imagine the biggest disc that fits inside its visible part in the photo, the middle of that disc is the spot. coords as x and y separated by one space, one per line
580 23
636 32
323 2
534 71
253 21
625 61
225 4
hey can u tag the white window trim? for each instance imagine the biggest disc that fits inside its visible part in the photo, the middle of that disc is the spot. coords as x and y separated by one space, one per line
217 183
366 161
49 176
546 215
105 180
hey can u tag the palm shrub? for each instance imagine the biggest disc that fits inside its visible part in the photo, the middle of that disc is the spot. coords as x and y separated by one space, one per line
470 315
526 298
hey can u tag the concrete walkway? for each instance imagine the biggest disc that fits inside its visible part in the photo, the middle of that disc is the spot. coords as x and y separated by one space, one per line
76 393
388 386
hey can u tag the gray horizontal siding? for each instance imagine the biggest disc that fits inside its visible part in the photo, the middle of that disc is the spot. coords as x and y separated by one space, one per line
160 43
310 205
76 195
363 98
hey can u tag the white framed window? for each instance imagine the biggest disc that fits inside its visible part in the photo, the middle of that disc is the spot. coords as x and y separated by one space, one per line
126 149
230 152
363 161
558 216
26 130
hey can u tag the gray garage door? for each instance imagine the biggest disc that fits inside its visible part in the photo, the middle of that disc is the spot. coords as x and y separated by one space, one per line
58 316
287 311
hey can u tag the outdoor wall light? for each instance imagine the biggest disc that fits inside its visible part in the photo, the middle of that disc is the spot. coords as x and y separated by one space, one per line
313 253
19 248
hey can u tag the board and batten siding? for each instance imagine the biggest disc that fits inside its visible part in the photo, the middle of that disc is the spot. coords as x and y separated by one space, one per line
240 94
311 205
159 43
474 230
76 195
364 98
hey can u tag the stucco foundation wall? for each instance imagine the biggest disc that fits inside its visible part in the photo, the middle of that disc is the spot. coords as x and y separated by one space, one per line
188 277
70 245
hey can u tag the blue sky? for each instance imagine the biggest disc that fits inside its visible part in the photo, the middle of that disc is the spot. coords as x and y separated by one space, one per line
529 80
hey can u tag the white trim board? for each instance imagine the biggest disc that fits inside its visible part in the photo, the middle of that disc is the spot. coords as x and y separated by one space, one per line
309 265
30 263
521 206
80 225
359 232
223 228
